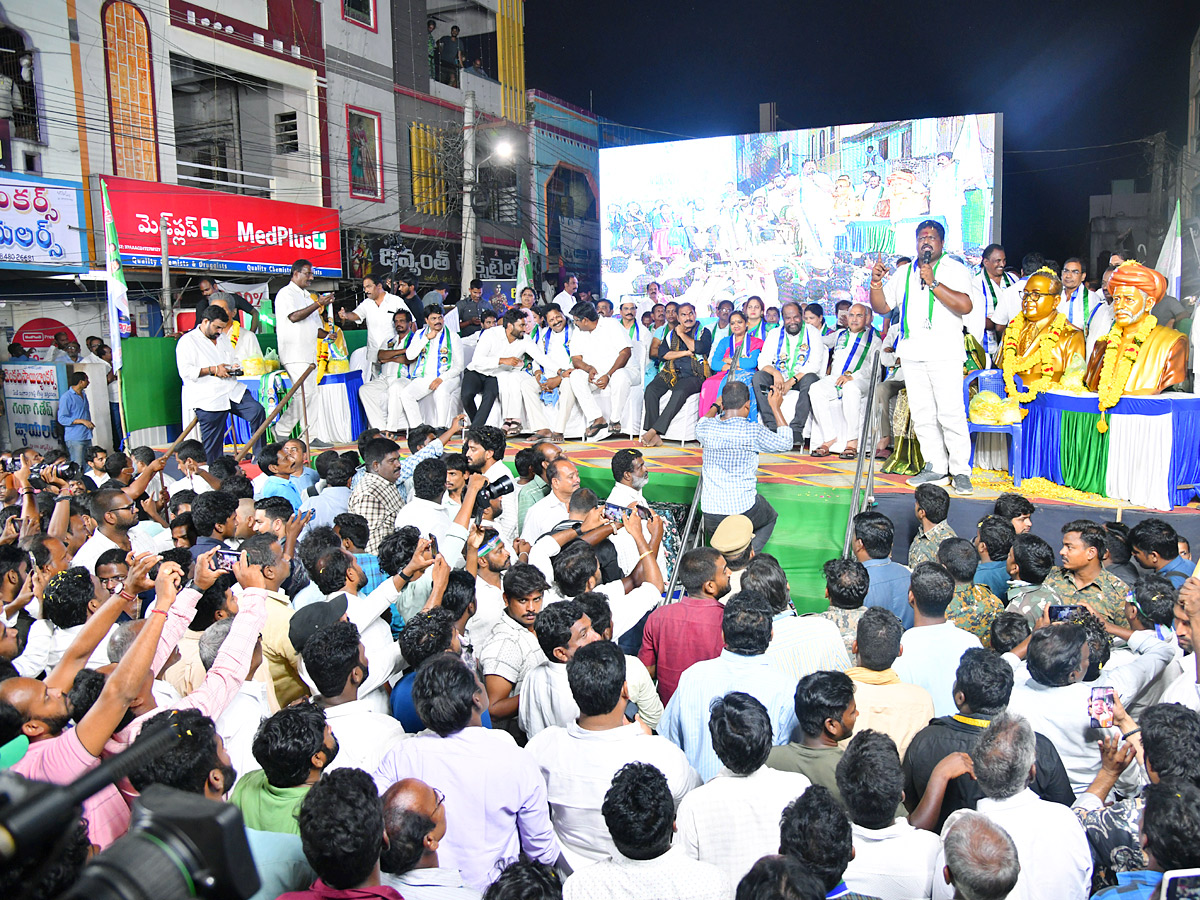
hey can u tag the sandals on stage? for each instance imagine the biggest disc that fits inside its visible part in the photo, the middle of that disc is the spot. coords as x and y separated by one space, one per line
819 453
595 428
848 454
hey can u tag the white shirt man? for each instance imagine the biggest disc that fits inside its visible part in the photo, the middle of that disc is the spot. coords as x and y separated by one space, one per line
846 385
930 660
377 309
518 389
566 297
1051 847
601 348
436 368
546 698
238 724
364 734
381 395
579 766
427 516
47 643
932 351
896 861
555 345
733 820
197 351
298 341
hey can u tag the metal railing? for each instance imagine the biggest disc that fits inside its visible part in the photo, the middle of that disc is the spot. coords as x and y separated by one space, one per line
276 411
863 496
685 535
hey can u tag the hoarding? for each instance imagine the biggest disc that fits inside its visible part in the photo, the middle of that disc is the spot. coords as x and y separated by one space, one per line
793 215
41 224
31 404
215 231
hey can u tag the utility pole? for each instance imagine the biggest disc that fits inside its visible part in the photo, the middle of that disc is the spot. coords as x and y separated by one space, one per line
168 315
470 242
1159 214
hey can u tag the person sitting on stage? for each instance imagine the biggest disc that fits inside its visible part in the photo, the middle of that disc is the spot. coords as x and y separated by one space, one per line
553 337
435 358
682 352
243 340
854 353
496 370
210 386
381 395
600 350
794 357
737 358
730 462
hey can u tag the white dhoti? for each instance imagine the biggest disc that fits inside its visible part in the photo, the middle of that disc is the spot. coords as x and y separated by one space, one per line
517 390
939 418
586 394
825 399
419 388
380 397
307 395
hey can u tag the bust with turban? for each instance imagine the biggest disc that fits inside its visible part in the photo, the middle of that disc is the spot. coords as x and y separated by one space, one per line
1138 356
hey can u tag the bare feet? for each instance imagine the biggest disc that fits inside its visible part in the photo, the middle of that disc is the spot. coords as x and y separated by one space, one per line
651 438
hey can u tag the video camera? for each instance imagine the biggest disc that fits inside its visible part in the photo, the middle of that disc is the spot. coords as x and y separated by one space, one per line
492 491
179 845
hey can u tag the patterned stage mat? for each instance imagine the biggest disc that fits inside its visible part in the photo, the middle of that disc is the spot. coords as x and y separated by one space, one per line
830 472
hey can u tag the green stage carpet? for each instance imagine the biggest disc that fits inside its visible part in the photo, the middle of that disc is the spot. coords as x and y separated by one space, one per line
810 528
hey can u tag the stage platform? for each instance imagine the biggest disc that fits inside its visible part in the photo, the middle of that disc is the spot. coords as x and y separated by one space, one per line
812 497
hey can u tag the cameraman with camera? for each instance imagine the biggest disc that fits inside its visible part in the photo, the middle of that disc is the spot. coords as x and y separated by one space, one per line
209 370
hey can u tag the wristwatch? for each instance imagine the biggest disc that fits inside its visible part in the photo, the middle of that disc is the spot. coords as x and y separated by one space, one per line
934 284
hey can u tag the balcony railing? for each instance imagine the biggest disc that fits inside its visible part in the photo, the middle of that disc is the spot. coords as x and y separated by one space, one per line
236 181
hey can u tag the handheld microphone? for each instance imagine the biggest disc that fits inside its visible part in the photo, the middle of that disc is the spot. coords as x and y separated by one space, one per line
926 257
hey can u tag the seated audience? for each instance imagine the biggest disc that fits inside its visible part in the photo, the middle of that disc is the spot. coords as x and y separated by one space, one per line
826 713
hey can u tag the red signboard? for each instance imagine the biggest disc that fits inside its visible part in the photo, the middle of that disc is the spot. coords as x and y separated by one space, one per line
38 334
221 232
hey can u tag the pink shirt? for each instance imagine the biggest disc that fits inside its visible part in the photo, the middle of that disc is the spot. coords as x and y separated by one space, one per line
62 759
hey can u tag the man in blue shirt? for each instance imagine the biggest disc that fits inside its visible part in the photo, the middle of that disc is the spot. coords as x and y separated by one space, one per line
426 634
994 539
873 536
731 445
1155 546
279 466
75 415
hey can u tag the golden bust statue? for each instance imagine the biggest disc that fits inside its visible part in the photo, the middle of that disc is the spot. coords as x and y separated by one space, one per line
1139 356
1039 342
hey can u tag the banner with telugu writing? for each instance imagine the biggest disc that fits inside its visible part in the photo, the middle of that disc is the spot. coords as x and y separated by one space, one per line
31 404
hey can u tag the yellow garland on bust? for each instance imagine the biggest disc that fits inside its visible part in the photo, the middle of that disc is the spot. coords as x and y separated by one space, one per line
1114 374
1043 362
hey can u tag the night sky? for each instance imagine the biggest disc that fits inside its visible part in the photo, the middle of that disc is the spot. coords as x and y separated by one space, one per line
1109 73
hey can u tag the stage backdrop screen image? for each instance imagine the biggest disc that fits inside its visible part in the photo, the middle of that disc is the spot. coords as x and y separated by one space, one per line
793 215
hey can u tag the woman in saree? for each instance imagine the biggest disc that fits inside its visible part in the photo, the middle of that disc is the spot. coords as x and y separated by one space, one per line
756 325
736 357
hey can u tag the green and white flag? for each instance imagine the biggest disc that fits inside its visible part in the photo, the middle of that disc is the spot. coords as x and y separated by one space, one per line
119 323
1170 260
524 272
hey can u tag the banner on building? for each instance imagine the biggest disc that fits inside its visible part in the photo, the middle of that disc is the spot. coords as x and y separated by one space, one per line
31 404
255 294
216 231
41 224
433 259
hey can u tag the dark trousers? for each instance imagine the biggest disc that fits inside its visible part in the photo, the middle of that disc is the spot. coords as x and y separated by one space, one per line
684 388
114 413
487 388
762 384
762 518
212 425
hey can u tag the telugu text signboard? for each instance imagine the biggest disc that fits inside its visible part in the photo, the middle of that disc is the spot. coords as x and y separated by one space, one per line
31 404
41 224
221 232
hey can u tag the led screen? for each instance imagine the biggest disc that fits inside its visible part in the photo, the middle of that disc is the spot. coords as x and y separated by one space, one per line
793 215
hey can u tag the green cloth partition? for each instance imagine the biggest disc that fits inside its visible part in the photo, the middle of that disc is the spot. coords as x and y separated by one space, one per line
150 383
1084 452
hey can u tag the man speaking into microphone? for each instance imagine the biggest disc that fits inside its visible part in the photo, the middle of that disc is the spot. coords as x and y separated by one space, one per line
933 296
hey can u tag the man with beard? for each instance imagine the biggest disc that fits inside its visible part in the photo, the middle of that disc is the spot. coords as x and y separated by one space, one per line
485 451
198 763
794 358
512 650
1183 674
406 284
294 747
40 710
209 370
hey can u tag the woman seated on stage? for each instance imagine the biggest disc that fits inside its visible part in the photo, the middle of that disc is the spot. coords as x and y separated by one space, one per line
736 356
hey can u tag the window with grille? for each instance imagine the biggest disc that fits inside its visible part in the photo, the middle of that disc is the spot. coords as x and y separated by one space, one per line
287 133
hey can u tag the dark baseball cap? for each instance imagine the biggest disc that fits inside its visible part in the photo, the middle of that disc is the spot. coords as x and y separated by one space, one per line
308 620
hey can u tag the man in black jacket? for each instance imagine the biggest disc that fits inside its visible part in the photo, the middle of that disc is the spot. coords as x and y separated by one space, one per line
982 686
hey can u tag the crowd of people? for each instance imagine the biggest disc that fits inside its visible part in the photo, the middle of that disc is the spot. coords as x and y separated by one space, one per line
417 676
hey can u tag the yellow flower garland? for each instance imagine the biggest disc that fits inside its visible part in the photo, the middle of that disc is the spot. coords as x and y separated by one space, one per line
1043 362
1114 374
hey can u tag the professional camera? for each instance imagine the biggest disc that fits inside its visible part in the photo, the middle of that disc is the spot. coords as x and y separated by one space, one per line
492 491
67 471
179 845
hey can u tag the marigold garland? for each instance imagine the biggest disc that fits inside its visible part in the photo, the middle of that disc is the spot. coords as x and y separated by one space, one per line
1114 373
1043 362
